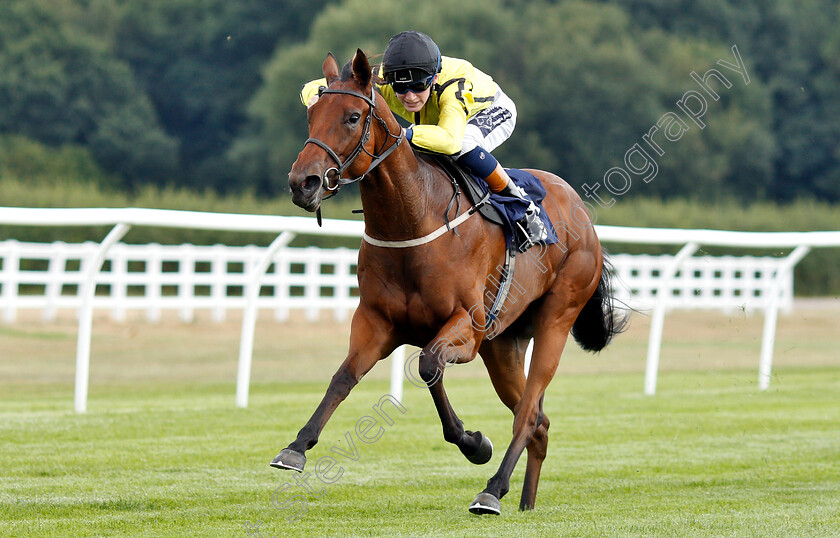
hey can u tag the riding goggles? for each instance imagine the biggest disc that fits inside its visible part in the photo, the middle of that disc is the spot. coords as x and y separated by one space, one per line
416 86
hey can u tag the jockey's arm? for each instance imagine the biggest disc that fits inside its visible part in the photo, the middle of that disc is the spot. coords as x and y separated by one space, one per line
309 92
447 136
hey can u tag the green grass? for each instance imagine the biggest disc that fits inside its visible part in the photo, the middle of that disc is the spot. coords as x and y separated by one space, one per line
709 455
163 451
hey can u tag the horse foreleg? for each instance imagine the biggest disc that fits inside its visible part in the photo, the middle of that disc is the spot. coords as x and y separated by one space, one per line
370 341
455 343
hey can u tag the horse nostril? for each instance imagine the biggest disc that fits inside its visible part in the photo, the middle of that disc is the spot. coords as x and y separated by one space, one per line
311 183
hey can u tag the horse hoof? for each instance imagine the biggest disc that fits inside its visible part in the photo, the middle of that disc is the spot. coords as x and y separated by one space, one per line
486 503
484 451
289 459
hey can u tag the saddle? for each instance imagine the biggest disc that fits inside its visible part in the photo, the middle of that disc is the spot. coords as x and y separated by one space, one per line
505 211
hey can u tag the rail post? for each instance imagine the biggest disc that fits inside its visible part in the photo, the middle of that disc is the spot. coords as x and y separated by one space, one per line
249 318
768 338
93 265
658 320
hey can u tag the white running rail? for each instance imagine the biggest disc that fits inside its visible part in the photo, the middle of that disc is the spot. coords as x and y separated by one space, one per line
184 278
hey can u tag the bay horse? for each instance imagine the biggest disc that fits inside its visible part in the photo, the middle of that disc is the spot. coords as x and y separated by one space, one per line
419 281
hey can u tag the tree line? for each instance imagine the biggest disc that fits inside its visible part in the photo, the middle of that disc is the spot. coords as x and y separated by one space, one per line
204 94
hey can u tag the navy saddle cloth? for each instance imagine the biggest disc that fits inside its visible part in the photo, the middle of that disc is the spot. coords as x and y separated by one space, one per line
503 210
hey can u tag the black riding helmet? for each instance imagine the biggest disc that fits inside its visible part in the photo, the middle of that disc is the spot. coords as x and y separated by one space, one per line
410 57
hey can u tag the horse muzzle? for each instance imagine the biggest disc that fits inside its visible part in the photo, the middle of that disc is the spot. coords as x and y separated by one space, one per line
307 190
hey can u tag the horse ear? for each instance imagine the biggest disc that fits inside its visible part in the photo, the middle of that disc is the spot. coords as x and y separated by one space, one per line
330 68
361 68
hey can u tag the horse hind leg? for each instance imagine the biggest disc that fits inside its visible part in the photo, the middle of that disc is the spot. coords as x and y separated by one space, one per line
537 450
549 339
504 359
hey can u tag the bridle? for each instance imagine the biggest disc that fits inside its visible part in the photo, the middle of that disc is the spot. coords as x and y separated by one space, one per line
376 159
360 147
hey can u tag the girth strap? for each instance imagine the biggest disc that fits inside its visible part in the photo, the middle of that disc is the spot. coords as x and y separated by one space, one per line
428 238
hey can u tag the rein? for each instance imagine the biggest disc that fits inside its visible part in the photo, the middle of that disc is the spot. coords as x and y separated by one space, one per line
360 147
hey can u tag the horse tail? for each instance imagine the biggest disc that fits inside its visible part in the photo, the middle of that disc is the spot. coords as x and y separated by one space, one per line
599 322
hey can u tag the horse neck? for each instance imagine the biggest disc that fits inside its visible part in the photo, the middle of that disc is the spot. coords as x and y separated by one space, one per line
400 198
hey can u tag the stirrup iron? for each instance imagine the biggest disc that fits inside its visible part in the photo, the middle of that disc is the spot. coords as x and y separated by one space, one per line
531 228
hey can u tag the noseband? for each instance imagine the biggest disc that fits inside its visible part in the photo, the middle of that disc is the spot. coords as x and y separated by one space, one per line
360 147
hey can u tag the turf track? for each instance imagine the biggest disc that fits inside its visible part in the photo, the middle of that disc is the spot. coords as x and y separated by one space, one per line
163 452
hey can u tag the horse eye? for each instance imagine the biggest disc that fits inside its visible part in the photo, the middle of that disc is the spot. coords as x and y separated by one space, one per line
354 118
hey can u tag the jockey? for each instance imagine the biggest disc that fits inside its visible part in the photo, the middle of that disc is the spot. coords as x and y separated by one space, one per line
454 108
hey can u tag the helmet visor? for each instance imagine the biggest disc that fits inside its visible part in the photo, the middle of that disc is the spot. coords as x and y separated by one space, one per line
409 80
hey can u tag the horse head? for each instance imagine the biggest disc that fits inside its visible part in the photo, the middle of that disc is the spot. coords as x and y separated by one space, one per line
339 134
